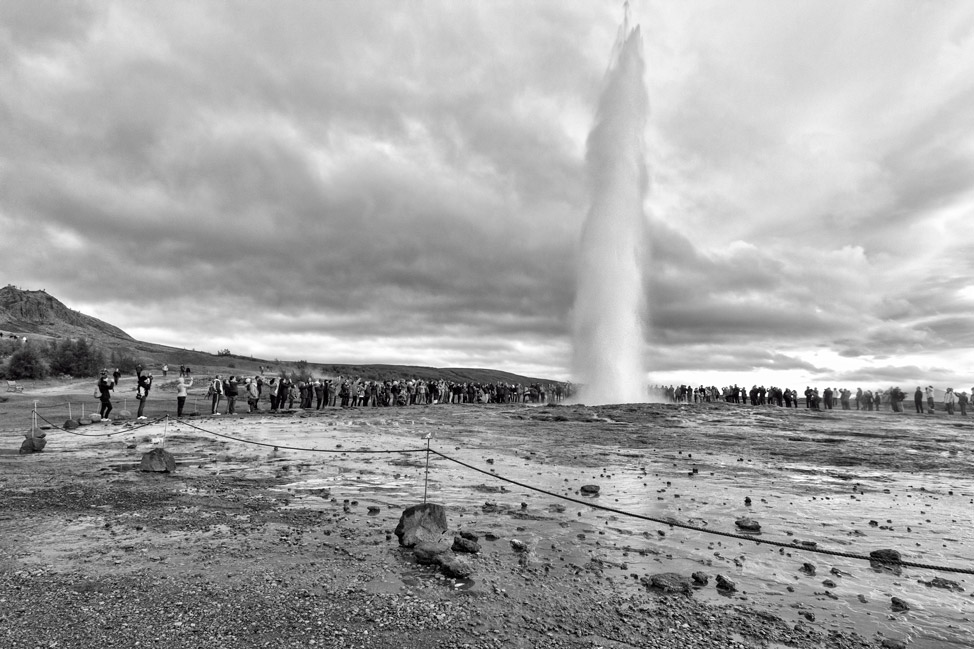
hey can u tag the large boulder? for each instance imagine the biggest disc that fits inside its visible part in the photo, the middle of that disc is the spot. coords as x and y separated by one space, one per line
158 460
419 523
94 418
70 424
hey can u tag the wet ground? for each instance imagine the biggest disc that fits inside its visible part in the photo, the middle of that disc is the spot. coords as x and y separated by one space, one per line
847 481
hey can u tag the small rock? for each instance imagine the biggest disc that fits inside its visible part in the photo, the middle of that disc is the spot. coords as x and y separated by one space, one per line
668 582
700 578
828 583
590 489
940 582
748 525
808 569
454 566
726 585
158 460
519 546
470 536
461 544
898 605
427 553
889 643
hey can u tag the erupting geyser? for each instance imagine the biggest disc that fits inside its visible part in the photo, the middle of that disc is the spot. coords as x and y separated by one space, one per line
610 303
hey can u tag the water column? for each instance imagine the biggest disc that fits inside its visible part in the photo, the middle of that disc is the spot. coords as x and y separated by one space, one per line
610 302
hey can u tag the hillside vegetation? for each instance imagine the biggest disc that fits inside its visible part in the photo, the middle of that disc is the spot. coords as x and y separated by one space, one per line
55 333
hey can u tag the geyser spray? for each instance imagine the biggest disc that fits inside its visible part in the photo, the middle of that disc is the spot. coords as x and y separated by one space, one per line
610 303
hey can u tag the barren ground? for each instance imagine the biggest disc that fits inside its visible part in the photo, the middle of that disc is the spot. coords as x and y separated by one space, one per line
251 546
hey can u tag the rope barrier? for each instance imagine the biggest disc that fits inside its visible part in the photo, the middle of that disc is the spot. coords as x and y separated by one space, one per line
297 448
661 521
672 523
130 428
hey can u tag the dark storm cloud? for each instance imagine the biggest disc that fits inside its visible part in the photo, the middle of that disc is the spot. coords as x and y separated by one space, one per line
407 183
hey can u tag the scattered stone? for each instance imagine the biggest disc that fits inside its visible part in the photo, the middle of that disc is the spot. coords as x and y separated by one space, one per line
862 598
700 578
748 525
889 643
470 536
461 544
426 522
884 556
808 615
828 583
519 546
668 582
158 460
808 569
725 585
591 489
374 509
747 501
898 605
121 415
940 582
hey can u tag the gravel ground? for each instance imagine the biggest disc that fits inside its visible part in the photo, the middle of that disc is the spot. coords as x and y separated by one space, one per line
95 556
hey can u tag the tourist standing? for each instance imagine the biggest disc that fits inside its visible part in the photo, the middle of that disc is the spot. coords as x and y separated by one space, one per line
230 392
949 399
142 393
104 389
250 387
215 393
930 402
183 383
918 400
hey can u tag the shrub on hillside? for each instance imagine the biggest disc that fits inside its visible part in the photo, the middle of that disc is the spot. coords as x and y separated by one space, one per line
125 362
75 358
25 363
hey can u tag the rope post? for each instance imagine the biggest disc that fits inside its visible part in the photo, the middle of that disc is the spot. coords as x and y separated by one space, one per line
69 410
33 420
426 481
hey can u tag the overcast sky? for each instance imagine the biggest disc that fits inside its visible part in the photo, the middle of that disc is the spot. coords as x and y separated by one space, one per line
405 182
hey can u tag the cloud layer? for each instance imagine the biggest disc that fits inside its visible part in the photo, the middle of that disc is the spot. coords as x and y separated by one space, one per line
372 183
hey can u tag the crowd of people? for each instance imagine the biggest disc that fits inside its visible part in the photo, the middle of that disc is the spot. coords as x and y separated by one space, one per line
829 398
286 392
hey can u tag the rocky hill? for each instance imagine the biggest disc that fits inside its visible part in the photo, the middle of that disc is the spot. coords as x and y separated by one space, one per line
36 312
